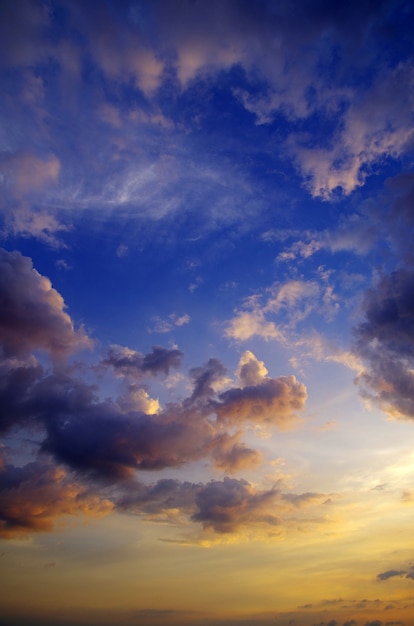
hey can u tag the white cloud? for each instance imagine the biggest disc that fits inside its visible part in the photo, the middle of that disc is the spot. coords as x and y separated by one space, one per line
377 125
247 324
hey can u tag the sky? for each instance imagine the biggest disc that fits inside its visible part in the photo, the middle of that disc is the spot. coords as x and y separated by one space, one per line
206 313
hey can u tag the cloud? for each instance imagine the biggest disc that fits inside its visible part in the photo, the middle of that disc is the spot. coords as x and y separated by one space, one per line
106 442
251 371
226 505
292 69
136 398
196 500
223 506
398 216
111 440
274 401
25 178
32 313
279 310
167 325
384 340
33 496
375 126
231 455
17 381
247 324
103 441
304 499
134 365
27 173
391 573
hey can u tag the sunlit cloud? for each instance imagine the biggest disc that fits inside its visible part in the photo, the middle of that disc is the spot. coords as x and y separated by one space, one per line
206 263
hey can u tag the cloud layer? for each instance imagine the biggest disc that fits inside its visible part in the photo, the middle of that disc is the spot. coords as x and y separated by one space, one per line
289 69
105 442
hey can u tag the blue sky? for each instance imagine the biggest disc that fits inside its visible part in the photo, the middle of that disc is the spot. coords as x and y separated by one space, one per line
206 312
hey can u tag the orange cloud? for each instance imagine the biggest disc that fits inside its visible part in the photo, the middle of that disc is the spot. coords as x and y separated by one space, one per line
34 496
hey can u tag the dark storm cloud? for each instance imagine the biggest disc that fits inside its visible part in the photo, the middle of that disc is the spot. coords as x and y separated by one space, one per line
410 573
32 313
385 341
222 505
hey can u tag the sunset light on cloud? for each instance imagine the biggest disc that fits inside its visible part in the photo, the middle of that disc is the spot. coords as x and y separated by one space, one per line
207 313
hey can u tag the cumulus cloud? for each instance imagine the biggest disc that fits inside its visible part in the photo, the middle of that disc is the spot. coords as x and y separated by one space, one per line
133 364
274 401
106 442
17 382
37 496
223 506
206 379
228 504
251 371
231 455
300 249
32 497
375 126
247 324
32 313
384 340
